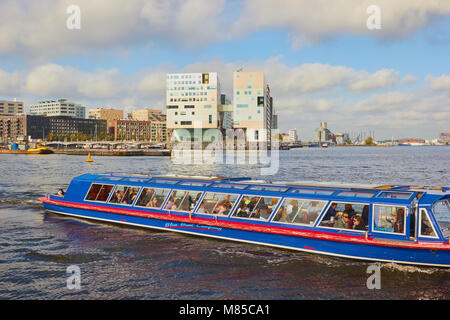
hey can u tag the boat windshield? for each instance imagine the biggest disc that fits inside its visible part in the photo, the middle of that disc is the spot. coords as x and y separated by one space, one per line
441 211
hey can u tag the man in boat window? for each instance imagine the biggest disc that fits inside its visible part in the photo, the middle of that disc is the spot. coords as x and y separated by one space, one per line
145 198
331 213
61 193
342 223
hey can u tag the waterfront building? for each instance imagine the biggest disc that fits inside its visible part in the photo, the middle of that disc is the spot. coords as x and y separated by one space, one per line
192 102
274 121
138 130
252 105
105 114
10 108
148 115
323 134
43 127
341 138
60 107
293 135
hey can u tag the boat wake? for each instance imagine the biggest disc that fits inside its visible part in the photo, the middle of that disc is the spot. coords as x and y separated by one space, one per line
410 269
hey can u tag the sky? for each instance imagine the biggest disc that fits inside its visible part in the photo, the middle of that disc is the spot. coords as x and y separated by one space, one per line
384 70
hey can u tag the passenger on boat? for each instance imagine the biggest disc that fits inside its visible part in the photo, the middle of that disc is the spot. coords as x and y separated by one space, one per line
201 209
331 213
312 213
349 209
220 209
358 223
365 215
153 203
281 215
145 200
291 209
398 221
171 203
342 223
61 192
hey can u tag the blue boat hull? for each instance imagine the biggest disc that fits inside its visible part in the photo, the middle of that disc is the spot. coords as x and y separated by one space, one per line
404 255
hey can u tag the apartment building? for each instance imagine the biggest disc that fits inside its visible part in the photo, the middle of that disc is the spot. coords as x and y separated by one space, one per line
60 107
138 130
10 108
252 105
39 127
105 114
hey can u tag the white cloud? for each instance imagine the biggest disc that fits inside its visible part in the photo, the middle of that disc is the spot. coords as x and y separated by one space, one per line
315 21
380 79
38 29
439 83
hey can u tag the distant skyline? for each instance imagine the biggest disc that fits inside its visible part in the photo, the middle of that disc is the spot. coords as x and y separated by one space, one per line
320 59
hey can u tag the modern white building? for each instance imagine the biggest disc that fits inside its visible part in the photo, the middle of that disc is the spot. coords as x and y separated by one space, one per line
252 105
60 107
293 135
193 101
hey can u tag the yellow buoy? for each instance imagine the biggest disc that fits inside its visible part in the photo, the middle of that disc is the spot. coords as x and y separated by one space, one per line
89 158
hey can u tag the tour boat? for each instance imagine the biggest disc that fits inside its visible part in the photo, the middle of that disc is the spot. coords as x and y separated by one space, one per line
390 223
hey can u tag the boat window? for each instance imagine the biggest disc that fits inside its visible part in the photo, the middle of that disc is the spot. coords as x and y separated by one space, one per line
395 195
344 215
231 186
299 211
319 192
268 188
99 192
112 178
255 207
140 180
441 211
124 194
152 197
195 184
426 227
357 194
182 200
389 219
217 203
165 181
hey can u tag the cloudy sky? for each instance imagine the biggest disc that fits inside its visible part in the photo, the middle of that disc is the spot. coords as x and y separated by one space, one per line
321 60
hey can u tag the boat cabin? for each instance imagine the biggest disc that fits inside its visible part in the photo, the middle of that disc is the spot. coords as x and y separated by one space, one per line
400 213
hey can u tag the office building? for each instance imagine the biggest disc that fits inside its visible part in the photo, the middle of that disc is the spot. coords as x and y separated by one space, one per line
193 101
252 105
60 107
10 108
105 114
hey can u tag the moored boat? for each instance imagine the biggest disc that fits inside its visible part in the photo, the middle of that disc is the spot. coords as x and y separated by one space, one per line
39 150
402 224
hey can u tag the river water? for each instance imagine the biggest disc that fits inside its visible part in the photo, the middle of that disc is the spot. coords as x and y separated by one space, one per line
118 262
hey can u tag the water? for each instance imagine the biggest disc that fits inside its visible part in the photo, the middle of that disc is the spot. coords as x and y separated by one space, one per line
118 262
